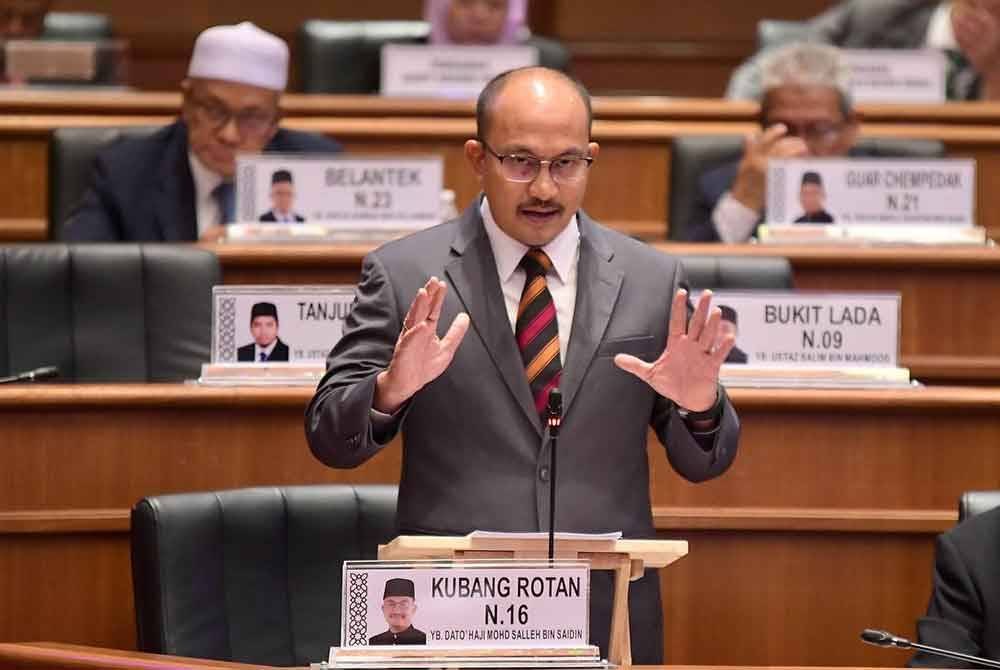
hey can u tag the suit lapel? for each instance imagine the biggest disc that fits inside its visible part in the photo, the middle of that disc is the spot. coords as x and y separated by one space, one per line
597 286
473 275
174 210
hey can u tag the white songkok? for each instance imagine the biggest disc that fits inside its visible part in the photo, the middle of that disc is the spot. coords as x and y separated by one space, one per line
243 54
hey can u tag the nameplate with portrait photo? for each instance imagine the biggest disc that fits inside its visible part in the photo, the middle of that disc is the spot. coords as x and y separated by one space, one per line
803 329
871 192
905 76
448 71
340 192
268 325
440 605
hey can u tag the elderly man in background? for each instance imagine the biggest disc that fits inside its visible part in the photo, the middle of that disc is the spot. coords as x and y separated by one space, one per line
968 31
805 111
177 184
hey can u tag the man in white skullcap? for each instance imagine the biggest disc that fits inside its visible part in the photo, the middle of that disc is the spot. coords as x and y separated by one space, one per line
177 183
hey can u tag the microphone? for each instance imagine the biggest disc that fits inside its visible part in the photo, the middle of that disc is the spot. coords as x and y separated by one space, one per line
882 638
554 412
46 372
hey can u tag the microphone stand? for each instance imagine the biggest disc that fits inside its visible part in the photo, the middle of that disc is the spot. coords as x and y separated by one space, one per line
554 420
881 638
47 372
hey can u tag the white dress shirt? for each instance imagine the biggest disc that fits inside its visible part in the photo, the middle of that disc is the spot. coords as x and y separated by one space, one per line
205 204
563 251
733 221
940 34
258 350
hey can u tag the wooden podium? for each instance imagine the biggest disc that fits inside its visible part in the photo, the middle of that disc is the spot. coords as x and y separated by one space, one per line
627 558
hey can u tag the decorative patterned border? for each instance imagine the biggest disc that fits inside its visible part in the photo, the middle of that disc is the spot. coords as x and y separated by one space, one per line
246 188
227 330
357 626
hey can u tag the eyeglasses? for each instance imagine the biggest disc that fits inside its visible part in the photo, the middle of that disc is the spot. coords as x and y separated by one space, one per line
249 122
819 132
525 168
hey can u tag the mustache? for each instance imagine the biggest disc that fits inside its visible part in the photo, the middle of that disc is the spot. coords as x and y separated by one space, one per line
535 203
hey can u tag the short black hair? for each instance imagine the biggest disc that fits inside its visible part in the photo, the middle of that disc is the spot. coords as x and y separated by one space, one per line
493 88
281 176
811 178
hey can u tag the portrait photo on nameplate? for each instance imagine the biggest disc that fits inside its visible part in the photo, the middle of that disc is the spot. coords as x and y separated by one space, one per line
869 191
277 324
394 193
466 604
815 330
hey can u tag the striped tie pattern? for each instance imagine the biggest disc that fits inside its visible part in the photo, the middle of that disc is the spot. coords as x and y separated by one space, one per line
537 331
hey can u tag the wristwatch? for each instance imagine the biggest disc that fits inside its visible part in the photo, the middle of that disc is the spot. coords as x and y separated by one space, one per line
711 414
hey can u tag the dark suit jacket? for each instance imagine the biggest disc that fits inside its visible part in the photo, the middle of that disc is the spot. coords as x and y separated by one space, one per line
474 450
964 610
142 189
864 24
409 636
736 355
269 216
245 354
822 216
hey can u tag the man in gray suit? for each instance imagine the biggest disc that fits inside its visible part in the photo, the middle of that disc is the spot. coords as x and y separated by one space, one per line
967 30
537 295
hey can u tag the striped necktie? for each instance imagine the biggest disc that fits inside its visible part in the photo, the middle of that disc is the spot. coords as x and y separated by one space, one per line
537 331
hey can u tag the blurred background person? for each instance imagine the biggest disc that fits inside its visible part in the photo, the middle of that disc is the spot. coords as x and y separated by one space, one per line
968 31
177 184
23 19
805 111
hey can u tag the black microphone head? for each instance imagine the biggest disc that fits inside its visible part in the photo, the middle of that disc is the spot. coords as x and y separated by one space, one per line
883 638
555 401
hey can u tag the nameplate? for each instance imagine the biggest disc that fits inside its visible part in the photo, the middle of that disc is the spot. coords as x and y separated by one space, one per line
289 324
466 604
911 76
352 192
863 191
790 329
461 72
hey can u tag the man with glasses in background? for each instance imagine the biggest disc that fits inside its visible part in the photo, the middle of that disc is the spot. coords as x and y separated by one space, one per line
177 184
459 333
805 111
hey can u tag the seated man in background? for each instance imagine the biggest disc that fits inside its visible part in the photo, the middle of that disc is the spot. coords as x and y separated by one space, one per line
805 111
23 19
967 30
177 184
963 612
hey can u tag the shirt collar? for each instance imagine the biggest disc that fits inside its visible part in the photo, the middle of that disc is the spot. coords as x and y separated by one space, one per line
205 180
508 252
269 348
940 34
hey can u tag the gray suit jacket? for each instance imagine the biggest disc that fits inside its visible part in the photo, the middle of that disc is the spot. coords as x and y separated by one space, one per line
475 455
862 24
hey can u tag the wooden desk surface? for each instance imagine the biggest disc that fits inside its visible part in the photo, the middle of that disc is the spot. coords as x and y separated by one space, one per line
943 290
58 656
827 485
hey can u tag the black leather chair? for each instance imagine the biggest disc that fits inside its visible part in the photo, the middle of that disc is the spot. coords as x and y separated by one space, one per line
693 155
972 503
775 32
71 159
251 575
106 312
346 56
737 272
82 26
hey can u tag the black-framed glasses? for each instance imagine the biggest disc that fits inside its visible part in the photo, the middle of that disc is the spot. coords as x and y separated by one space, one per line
525 167
249 122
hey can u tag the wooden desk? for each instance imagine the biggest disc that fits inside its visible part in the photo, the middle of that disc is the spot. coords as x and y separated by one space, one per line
944 290
830 490
628 187
55 656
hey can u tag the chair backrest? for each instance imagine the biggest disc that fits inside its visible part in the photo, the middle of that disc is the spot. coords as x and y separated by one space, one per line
693 155
72 152
972 503
346 56
83 26
775 32
737 272
106 312
251 575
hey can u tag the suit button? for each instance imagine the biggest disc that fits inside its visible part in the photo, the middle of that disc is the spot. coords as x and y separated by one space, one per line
543 474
